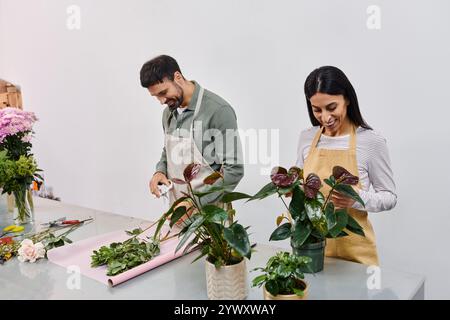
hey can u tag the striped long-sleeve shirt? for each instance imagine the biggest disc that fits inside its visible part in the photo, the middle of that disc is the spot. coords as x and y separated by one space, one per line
374 166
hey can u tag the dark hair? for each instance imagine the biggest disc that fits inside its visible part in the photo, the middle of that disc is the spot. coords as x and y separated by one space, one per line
158 69
333 81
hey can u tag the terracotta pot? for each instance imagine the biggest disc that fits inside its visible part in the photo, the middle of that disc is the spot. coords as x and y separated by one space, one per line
268 296
227 282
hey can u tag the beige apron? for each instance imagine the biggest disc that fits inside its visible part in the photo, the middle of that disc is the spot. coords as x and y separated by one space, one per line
182 151
321 162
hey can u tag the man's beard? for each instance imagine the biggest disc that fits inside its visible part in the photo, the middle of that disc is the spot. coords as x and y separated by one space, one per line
177 101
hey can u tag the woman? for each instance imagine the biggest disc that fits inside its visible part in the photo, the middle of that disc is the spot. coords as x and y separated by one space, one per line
340 136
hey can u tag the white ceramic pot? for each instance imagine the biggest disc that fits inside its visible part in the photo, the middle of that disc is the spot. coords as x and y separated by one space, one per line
227 282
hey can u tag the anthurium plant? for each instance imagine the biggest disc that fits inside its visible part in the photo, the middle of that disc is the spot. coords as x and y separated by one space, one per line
310 218
212 227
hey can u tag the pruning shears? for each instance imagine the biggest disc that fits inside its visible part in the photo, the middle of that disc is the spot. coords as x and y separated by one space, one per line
54 223
63 222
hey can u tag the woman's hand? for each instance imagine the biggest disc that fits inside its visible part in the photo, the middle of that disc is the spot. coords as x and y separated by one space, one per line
340 201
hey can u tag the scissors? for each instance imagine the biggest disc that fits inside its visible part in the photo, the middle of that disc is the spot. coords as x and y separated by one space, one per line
54 223
63 222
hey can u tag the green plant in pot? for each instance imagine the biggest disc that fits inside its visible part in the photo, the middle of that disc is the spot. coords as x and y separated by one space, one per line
310 218
282 277
212 229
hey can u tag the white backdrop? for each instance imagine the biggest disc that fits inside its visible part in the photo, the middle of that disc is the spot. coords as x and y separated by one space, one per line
99 133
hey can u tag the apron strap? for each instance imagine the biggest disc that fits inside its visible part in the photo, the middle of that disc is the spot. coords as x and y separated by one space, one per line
352 143
197 109
316 139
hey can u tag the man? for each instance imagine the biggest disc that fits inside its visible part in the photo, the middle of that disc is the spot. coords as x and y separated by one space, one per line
199 127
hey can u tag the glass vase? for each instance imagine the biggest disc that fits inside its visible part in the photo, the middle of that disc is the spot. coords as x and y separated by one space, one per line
23 207
5 213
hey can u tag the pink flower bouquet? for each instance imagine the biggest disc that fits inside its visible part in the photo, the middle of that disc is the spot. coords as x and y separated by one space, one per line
16 128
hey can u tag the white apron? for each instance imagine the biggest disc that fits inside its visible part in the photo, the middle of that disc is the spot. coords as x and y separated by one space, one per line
180 153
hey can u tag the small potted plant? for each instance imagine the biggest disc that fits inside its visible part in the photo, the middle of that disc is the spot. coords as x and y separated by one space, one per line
212 229
282 277
310 218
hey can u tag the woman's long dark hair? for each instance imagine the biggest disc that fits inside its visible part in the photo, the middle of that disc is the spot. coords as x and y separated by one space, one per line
331 80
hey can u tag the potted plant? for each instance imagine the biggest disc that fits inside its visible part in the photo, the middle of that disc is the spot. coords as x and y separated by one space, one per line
310 218
213 230
282 277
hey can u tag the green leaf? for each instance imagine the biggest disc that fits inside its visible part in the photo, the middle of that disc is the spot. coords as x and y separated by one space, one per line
348 191
316 216
233 196
320 198
341 222
202 254
67 240
288 189
266 191
177 214
300 234
297 204
197 223
342 234
237 238
272 287
354 226
330 216
214 213
282 232
163 218
134 232
298 292
329 182
192 243
259 280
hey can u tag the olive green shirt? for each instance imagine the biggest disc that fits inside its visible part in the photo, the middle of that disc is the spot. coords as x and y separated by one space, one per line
219 150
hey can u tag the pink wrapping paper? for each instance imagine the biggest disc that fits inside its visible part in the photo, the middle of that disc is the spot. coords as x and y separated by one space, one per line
79 254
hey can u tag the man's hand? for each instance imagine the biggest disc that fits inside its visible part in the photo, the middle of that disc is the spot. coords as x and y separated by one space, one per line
158 178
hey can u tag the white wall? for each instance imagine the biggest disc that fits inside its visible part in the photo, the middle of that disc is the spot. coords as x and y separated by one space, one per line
99 134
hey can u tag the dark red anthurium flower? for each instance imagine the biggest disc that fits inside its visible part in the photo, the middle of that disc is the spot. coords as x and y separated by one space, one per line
282 178
312 186
343 176
191 171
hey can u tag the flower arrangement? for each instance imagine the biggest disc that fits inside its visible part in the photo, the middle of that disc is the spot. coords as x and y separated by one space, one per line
18 168
16 129
34 246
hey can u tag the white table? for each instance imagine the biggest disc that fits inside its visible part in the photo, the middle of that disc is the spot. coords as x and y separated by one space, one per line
180 279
